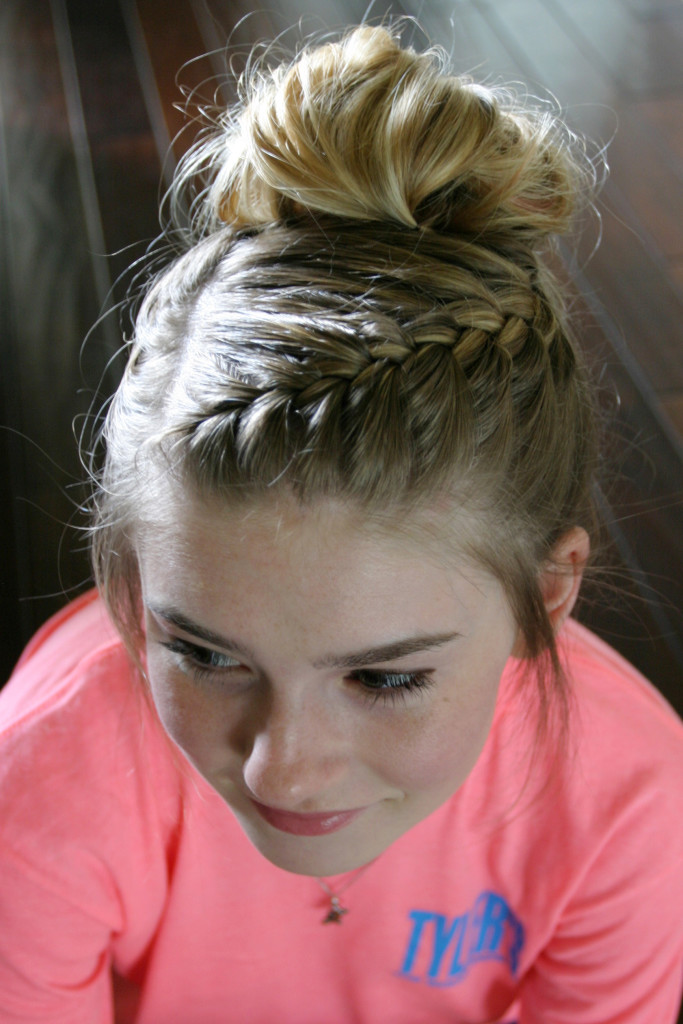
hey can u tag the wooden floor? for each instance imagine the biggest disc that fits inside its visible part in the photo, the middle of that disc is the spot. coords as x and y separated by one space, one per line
87 118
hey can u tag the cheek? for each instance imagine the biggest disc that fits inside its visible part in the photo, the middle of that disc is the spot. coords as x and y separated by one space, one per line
439 751
176 715
185 716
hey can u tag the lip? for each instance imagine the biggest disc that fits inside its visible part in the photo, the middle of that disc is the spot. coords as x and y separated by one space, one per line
307 824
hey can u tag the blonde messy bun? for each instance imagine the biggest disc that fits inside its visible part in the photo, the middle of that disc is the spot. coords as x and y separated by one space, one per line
365 130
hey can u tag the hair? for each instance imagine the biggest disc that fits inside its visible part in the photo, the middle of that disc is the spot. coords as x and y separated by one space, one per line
363 309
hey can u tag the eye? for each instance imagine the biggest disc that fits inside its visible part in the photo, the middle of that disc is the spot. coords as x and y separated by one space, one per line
199 661
391 686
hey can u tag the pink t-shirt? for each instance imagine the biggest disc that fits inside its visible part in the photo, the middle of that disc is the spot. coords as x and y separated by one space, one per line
554 897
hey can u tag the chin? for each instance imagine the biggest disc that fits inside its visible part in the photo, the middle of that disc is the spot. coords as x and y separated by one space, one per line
316 856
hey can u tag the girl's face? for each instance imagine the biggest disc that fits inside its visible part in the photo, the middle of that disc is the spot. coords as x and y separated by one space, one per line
335 685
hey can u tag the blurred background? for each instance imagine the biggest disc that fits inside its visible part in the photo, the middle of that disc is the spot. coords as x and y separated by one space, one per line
89 123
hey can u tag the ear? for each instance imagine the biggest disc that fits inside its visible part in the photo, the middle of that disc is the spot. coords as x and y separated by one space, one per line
562 573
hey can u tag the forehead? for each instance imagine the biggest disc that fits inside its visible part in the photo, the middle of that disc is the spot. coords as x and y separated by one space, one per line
436 530
319 560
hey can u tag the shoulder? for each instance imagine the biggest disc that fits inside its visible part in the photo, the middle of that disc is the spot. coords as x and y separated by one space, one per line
81 748
605 792
620 719
90 800
71 682
621 734
80 634
619 800
607 838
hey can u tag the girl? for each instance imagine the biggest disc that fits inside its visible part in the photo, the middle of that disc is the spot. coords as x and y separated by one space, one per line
325 746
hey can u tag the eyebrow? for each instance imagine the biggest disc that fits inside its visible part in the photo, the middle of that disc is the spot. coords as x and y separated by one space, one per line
387 652
356 659
187 625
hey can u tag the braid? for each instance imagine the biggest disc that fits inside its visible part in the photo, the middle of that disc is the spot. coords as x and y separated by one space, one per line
386 398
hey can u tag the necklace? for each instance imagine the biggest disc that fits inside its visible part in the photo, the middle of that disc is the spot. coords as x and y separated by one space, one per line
337 909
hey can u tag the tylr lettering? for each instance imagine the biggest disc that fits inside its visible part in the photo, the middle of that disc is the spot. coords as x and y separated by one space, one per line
441 950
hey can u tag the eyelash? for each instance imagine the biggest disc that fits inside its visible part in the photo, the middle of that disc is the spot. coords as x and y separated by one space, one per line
199 659
388 687
391 687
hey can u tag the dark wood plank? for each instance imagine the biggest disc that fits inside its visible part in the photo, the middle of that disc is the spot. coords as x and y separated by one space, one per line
673 404
643 170
474 47
636 602
634 284
124 163
665 116
643 54
649 177
652 9
51 300
169 56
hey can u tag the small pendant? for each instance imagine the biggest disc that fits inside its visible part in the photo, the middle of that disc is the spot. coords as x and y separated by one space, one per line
336 912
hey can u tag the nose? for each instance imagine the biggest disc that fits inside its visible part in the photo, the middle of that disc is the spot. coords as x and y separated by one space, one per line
295 756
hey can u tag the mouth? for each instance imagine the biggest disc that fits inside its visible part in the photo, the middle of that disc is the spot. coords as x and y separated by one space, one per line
307 824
